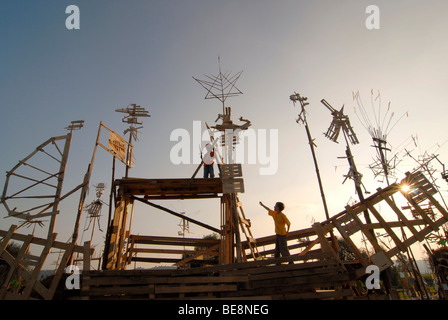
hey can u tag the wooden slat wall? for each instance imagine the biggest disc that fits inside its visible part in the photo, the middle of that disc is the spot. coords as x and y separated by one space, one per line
267 279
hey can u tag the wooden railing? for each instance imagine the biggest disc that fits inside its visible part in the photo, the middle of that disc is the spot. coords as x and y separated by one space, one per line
390 231
22 275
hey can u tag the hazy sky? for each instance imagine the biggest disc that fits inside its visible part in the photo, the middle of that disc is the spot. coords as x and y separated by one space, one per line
146 52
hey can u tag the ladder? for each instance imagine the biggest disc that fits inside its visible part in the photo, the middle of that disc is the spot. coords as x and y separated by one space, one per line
245 225
232 183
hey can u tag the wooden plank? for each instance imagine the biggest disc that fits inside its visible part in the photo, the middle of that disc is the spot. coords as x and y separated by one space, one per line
86 256
420 210
433 201
350 244
252 264
364 229
326 246
324 270
162 251
34 276
230 170
386 227
61 269
111 291
41 241
284 268
197 255
315 281
6 238
171 260
427 230
175 241
143 281
292 235
309 247
395 224
401 216
320 295
171 188
262 285
195 289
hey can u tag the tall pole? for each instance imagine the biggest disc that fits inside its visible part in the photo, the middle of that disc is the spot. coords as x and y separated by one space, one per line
128 154
133 112
302 118
60 182
85 187
75 125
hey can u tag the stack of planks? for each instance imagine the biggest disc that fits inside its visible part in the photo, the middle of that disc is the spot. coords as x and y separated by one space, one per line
311 276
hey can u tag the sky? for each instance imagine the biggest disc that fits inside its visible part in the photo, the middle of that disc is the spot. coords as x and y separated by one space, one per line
147 52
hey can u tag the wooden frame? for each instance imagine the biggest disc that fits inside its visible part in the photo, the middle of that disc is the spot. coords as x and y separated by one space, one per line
33 288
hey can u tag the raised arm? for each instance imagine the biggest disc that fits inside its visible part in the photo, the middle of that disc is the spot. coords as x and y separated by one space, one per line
261 204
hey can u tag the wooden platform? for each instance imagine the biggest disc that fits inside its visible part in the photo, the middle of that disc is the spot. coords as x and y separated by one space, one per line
316 276
153 189
318 271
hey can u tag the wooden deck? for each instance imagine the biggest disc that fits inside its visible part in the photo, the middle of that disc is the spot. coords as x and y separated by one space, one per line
171 189
316 276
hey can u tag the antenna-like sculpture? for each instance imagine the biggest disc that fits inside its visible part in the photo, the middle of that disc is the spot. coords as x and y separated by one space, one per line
133 112
302 119
221 87
341 122
379 130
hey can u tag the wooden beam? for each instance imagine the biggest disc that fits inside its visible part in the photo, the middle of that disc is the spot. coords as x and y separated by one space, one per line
386 227
177 214
366 231
171 188
401 216
197 255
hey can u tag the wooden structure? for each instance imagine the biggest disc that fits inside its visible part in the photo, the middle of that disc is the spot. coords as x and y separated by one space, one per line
21 279
123 247
262 279
317 273
42 185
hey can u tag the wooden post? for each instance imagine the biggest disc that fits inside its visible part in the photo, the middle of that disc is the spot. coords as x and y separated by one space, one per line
60 182
84 189
86 256
32 281
325 245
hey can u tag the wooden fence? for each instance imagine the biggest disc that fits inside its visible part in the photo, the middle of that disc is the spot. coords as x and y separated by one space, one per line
21 280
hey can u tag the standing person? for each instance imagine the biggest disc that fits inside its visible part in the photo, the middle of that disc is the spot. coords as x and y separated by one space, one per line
282 226
208 160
